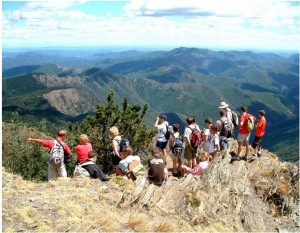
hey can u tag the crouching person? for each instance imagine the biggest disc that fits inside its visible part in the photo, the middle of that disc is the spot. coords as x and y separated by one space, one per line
92 168
199 168
158 173
129 165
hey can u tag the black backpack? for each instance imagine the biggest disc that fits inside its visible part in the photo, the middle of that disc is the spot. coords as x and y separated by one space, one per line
124 142
226 129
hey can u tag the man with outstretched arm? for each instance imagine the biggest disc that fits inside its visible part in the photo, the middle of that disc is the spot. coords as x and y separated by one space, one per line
53 171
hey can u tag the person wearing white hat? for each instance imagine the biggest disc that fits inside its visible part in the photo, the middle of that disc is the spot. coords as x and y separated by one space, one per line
225 106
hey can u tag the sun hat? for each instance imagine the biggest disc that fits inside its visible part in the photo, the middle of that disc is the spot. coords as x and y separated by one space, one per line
162 116
223 105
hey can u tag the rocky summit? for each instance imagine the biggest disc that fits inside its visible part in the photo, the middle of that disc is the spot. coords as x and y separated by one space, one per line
243 196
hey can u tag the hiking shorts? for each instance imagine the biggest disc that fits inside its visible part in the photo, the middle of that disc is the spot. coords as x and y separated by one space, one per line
189 153
115 159
176 155
257 142
161 145
243 137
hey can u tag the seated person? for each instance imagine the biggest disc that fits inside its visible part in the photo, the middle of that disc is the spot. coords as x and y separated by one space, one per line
83 149
199 168
158 173
92 168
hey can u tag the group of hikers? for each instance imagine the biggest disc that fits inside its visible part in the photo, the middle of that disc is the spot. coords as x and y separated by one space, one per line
197 146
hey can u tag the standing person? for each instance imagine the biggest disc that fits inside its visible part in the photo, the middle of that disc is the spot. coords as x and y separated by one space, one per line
214 146
244 134
206 135
260 132
176 145
225 130
83 149
232 119
116 138
158 173
163 134
54 146
92 168
189 151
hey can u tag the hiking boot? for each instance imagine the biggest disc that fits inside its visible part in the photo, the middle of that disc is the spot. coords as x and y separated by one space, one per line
258 154
245 157
235 158
131 176
254 157
105 179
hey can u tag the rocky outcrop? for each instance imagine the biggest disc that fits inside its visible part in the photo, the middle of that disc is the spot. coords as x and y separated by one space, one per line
240 196
258 196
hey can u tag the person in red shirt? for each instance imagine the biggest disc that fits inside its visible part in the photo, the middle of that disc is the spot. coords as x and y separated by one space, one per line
54 172
244 134
260 131
83 149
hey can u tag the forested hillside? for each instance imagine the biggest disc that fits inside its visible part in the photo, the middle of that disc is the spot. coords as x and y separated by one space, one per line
179 82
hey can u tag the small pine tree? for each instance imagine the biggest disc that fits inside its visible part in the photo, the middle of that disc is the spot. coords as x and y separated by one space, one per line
127 119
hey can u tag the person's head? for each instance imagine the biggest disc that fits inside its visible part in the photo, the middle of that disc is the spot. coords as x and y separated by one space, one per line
223 105
261 113
244 109
162 118
208 121
213 129
127 151
83 139
222 113
114 131
156 152
190 120
204 156
62 133
92 155
175 128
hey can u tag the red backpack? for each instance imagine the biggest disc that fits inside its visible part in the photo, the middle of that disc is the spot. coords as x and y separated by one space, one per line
196 139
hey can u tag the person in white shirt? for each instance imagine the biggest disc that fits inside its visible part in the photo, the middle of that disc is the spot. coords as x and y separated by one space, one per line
163 133
189 152
214 142
206 135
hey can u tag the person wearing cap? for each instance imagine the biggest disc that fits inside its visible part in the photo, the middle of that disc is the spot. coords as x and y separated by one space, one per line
228 114
162 139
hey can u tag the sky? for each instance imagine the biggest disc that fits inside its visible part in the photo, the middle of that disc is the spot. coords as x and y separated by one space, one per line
216 24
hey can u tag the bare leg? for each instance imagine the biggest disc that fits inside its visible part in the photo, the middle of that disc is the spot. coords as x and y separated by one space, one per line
247 147
239 148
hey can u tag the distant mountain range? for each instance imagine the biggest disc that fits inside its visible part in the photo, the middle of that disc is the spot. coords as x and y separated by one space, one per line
180 82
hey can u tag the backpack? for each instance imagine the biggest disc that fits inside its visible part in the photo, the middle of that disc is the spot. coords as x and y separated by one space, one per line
56 157
250 123
196 138
80 171
124 142
226 129
177 145
167 134
235 119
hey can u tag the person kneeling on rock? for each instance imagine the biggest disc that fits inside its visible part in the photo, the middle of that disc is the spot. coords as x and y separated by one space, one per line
199 168
129 165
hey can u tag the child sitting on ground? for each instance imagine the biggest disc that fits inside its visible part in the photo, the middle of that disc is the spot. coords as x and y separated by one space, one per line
199 168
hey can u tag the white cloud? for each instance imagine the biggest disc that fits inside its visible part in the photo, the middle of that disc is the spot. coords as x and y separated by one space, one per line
212 23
